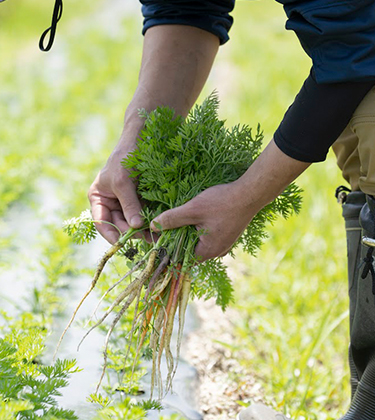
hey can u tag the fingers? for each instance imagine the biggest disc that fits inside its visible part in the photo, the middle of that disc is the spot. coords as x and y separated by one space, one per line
210 245
205 250
187 214
175 218
104 209
119 220
113 199
110 233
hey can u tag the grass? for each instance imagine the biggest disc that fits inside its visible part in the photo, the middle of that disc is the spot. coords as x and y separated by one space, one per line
60 116
293 304
292 299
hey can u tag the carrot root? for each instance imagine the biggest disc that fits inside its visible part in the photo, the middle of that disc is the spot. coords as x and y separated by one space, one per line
106 257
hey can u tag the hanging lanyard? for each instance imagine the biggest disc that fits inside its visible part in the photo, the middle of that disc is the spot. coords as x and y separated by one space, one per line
56 16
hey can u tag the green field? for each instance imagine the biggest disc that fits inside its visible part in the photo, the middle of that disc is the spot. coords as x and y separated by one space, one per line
61 114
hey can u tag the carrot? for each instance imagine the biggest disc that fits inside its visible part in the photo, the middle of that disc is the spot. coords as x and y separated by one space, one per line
159 288
117 301
159 317
130 335
114 323
135 294
168 307
150 311
107 256
135 268
169 331
127 291
147 320
174 282
183 302
156 274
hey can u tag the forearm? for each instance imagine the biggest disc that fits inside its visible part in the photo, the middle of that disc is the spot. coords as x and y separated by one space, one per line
267 177
175 65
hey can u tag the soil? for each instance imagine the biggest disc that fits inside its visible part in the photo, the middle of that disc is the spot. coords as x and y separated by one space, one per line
225 385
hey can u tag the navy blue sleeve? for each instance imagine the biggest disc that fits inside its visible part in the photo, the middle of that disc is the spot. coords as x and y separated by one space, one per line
338 35
317 117
210 15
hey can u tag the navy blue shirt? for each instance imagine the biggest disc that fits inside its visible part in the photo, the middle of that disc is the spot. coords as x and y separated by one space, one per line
338 35
210 15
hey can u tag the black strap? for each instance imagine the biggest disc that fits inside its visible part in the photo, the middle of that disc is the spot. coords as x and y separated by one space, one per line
341 189
341 194
369 262
56 16
369 267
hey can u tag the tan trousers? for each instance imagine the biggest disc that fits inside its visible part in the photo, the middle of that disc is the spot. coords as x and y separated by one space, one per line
355 148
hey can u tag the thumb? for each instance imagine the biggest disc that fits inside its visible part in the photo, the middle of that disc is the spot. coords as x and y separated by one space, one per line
174 218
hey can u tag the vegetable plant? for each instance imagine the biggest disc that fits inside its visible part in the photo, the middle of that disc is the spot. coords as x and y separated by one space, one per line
27 387
175 160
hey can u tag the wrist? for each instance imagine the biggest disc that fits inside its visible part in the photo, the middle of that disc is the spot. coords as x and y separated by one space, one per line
126 144
243 197
133 123
130 133
268 177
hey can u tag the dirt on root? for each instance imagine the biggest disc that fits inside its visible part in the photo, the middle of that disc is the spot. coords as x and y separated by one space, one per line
224 383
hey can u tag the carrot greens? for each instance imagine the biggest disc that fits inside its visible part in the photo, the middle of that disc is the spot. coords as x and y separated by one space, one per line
177 159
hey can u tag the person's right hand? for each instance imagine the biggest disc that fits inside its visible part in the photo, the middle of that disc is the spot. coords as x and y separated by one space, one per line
113 197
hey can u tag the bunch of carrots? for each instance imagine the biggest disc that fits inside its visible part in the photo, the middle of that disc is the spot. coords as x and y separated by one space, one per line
175 160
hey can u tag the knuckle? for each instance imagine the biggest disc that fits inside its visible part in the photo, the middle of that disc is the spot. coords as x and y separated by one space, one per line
193 208
90 193
129 207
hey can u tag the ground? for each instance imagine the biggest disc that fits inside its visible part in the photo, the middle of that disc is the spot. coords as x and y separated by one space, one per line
224 384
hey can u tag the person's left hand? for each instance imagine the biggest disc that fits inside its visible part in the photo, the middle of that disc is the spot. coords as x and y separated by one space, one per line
221 211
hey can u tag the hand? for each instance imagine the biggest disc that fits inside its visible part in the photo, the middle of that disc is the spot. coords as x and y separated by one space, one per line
224 211
220 211
113 197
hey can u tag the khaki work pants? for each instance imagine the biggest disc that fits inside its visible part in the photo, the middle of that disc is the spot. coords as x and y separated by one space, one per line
355 148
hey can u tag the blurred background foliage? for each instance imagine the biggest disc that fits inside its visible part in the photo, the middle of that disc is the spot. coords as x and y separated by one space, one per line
61 114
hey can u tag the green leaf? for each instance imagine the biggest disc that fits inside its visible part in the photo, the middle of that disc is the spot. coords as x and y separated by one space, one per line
81 229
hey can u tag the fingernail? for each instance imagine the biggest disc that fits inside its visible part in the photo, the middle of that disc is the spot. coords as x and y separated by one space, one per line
155 226
113 238
136 222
